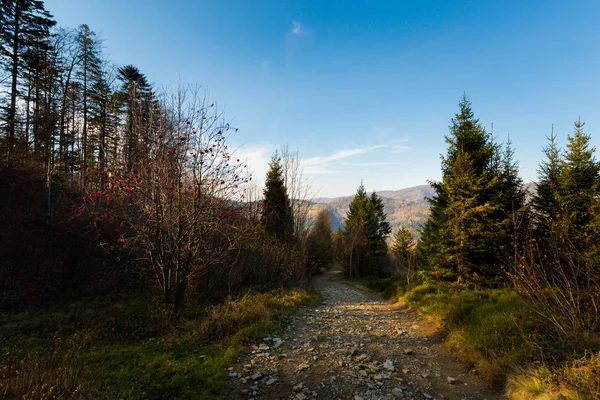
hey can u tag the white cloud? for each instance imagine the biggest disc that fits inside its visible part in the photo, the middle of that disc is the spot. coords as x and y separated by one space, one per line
297 28
325 164
371 164
340 154
398 148
257 159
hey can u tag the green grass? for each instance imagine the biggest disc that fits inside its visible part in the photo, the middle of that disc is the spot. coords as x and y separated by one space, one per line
490 327
122 348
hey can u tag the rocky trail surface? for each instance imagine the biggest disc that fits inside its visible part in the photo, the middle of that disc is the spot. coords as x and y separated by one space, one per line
356 346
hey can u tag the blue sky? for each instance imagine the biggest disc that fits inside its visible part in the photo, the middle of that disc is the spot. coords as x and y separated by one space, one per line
365 89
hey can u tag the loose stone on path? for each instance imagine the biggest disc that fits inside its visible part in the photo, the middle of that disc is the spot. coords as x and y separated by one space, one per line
353 346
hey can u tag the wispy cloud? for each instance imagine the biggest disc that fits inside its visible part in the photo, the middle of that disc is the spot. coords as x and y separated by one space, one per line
297 28
398 148
326 164
340 154
371 164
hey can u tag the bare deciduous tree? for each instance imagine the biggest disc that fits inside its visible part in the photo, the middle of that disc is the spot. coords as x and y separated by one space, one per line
299 190
177 206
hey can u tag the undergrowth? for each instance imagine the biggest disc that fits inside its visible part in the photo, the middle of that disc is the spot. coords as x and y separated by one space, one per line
124 348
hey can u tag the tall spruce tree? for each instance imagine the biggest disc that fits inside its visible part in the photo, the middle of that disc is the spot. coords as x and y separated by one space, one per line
579 185
25 25
277 216
467 234
383 226
545 202
361 225
136 97
367 229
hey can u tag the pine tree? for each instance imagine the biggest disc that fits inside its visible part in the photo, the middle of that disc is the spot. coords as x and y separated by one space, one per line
379 236
579 185
545 202
136 97
103 118
403 251
277 217
361 225
431 251
88 73
511 214
383 226
320 242
367 229
403 242
468 231
25 23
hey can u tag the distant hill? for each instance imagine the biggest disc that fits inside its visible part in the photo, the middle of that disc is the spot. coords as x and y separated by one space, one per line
412 194
406 207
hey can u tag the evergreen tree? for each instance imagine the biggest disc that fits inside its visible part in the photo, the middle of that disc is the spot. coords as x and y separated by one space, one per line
468 231
277 217
320 242
366 232
103 117
431 251
136 97
361 225
403 251
511 214
88 73
545 202
383 226
579 188
25 24
403 242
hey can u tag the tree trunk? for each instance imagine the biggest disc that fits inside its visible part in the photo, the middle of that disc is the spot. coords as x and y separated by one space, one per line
179 301
10 125
27 117
84 131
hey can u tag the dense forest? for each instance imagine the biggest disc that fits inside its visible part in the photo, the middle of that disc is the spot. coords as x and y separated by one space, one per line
128 225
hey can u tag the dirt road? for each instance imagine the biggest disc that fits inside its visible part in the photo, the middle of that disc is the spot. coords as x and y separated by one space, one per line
355 345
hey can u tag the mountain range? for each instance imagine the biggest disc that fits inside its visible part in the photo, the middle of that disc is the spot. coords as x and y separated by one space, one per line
407 207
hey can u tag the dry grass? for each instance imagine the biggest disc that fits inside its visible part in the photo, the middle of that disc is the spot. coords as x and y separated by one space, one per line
39 377
578 380
223 320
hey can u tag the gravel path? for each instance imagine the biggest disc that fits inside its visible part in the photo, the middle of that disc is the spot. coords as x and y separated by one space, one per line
355 346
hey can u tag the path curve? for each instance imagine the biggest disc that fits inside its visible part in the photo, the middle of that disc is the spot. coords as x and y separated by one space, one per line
357 346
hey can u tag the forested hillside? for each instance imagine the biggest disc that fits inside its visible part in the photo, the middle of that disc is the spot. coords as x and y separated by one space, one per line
411 213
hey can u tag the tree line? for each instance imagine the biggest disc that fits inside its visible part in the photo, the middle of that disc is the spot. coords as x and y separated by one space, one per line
148 175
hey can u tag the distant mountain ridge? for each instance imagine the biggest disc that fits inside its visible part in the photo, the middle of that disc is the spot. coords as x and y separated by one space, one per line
407 207
414 193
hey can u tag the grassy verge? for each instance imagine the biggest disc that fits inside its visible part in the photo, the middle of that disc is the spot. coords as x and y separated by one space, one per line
121 348
496 331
